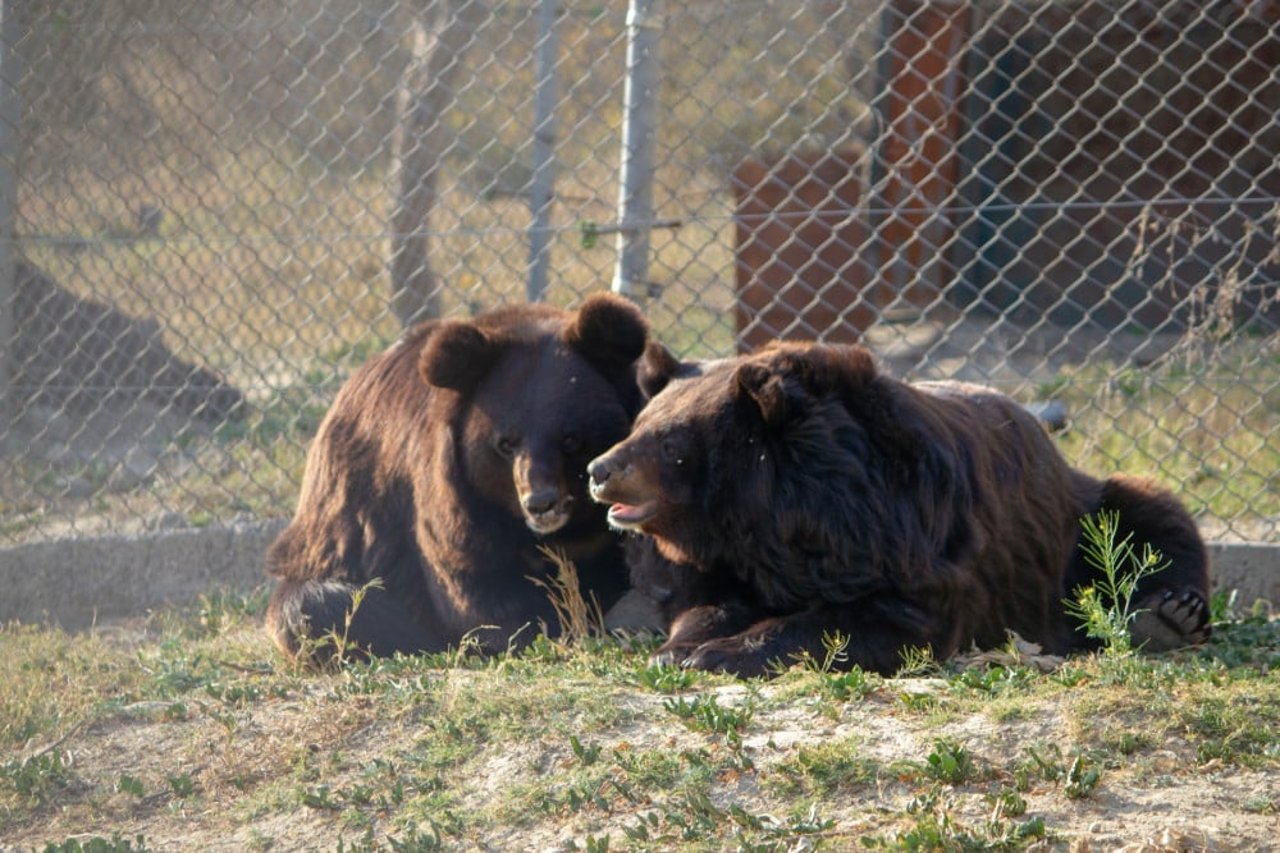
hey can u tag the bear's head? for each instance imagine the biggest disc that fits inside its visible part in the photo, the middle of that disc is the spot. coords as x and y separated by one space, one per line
700 463
537 392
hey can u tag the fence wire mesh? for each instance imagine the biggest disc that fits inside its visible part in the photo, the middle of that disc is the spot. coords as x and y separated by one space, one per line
216 210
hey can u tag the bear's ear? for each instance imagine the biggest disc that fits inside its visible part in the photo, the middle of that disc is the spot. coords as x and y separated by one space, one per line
457 356
609 331
765 388
824 368
656 369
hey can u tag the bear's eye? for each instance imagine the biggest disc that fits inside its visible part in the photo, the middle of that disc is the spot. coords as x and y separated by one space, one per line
571 444
506 445
670 450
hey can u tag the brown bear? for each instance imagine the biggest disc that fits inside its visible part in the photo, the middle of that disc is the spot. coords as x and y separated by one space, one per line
443 465
799 492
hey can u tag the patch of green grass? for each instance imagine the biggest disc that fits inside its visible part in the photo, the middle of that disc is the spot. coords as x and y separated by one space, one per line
626 778
822 769
400 751
1078 775
117 843
994 680
1206 430
1232 728
661 770
1252 643
53 679
931 826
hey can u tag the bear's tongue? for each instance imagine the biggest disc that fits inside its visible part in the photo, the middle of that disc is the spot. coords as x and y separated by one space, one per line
625 513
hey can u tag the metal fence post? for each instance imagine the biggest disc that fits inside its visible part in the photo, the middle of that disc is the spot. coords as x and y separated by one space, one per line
640 100
542 187
10 78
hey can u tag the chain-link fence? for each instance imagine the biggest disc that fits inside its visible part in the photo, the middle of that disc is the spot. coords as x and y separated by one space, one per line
218 209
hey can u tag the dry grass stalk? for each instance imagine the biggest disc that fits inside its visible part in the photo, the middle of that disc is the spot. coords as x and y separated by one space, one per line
579 617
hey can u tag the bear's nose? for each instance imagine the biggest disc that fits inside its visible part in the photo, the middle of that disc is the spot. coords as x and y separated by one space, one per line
598 471
543 500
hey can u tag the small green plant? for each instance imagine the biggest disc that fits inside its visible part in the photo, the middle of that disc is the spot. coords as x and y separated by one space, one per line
1049 767
588 754
835 650
1261 805
597 845
1079 778
834 682
707 714
917 661
1005 803
318 797
994 679
1105 608
37 778
950 762
934 828
418 839
335 649
1082 778
774 832
1127 743
130 785
181 785
917 700
846 686
1222 605
667 679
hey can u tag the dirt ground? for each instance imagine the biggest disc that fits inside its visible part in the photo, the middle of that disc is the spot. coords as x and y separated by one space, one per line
1164 799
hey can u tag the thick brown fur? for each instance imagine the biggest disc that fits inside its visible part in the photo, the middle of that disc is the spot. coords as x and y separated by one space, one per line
443 466
799 492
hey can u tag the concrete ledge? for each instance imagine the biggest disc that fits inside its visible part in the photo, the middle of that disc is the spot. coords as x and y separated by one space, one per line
76 582
1252 569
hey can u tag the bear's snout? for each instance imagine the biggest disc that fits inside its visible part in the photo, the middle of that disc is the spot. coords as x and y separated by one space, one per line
608 472
540 501
546 510
624 486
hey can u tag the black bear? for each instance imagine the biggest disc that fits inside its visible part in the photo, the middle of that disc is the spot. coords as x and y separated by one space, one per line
800 492
441 468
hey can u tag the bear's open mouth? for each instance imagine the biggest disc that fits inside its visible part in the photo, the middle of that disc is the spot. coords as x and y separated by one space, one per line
631 516
547 522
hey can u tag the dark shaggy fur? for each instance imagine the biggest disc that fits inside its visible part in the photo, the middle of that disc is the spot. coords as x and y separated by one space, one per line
799 492
442 467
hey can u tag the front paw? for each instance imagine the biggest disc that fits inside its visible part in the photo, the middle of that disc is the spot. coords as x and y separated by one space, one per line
1171 619
730 655
671 654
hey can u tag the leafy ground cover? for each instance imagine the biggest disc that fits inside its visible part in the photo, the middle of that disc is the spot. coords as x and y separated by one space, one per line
187 730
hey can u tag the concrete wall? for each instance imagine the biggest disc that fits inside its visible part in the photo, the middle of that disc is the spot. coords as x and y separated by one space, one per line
77 583
1253 570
